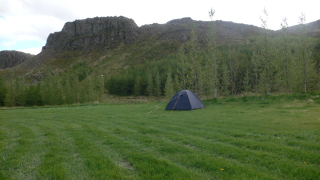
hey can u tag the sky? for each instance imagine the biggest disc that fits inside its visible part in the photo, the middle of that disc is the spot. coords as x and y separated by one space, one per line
26 24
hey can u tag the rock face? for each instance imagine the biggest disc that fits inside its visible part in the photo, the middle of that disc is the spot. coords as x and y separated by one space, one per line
92 33
10 59
107 32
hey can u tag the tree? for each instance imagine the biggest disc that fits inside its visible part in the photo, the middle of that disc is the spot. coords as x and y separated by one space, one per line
20 90
256 71
157 91
11 92
137 86
3 90
33 95
67 90
265 44
212 55
89 89
176 84
233 65
101 88
303 48
286 51
47 88
150 85
195 60
225 80
75 87
183 66
168 86
246 81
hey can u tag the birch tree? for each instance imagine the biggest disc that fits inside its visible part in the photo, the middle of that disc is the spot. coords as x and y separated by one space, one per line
194 57
303 48
168 86
157 91
213 58
265 51
284 26
183 66
150 84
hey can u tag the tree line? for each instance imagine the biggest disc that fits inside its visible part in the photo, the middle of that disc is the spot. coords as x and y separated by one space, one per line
282 64
73 86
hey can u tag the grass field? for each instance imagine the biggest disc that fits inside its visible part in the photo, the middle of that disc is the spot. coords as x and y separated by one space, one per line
275 137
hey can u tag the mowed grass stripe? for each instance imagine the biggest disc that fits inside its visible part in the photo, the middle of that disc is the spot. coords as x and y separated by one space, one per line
52 166
125 168
180 155
73 163
273 156
186 141
274 149
144 161
63 160
172 150
99 165
20 153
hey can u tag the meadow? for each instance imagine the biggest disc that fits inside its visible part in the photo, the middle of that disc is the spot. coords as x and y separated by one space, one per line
258 137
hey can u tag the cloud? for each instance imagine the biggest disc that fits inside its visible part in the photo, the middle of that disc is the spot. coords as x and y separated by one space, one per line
33 51
7 44
60 9
29 27
22 20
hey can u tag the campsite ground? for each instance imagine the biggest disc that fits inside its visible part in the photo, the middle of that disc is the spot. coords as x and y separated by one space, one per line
260 137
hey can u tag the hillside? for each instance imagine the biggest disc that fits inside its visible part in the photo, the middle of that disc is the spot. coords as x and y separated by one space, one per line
313 29
110 44
115 43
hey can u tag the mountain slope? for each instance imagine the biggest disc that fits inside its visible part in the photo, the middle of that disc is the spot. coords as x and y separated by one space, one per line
112 43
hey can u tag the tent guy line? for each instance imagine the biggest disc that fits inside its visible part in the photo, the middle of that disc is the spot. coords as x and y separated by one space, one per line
160 105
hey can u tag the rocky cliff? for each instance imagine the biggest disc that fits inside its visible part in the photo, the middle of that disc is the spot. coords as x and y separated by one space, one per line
92 33
108 32
10 59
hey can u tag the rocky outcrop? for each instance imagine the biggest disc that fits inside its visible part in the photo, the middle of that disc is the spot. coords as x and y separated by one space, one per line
9 59
180 30
107 32
92 33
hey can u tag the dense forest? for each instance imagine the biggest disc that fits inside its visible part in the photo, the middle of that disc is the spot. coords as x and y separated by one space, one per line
264 65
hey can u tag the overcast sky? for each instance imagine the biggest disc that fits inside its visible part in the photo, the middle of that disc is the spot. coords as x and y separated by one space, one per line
26 24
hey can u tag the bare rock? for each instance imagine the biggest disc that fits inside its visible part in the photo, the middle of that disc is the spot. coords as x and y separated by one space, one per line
92 33
10 59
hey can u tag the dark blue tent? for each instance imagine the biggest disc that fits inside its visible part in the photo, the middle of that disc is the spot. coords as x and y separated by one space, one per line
185 100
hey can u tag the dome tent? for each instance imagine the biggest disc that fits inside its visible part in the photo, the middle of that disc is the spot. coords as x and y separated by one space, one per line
185 100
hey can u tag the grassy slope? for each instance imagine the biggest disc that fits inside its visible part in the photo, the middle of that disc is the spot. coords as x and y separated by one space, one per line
142 51
250 138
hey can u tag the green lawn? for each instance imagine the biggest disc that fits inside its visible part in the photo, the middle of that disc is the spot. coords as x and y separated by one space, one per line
246 138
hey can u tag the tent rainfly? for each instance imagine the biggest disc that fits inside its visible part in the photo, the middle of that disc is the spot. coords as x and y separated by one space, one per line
185 100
